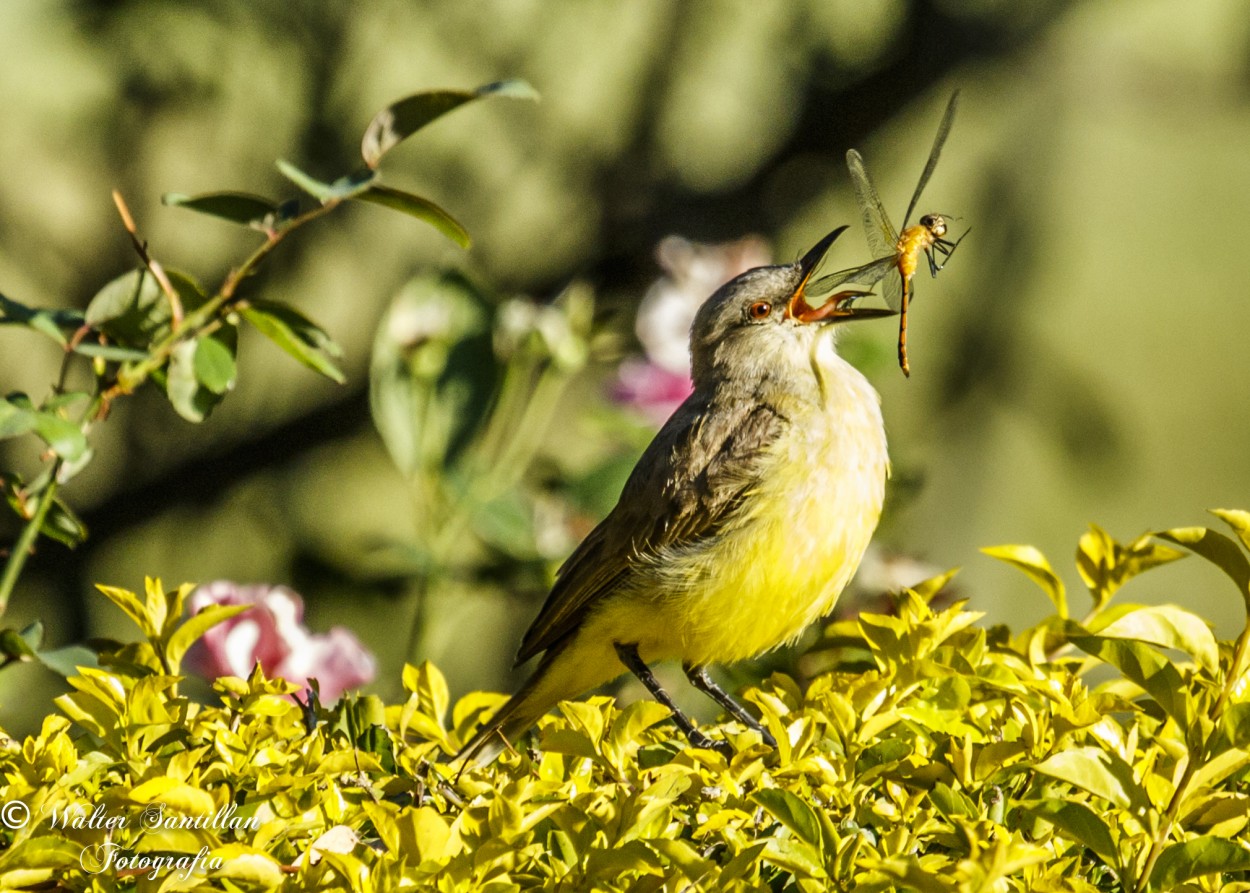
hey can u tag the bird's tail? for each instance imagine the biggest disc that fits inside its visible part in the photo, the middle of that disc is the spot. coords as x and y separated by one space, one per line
521 711
569 669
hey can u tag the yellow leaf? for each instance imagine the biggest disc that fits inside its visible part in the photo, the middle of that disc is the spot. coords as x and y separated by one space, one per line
180 798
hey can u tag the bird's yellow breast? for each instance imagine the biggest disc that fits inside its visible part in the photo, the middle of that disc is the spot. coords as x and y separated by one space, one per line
787 554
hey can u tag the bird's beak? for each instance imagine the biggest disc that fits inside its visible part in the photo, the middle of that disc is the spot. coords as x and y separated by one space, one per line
837 308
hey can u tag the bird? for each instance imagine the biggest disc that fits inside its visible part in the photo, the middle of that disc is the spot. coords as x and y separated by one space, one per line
742 521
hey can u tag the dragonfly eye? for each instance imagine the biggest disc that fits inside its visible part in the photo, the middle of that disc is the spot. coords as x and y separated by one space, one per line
935 223
759 310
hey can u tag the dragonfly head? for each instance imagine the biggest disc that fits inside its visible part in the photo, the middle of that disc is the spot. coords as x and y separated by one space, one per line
934 223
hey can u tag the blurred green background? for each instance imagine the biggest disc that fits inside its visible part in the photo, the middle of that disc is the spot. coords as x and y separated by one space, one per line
1083 358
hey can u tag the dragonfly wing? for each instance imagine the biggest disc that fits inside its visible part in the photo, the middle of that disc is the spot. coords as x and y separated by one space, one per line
943 132
868 275
892 291
882 237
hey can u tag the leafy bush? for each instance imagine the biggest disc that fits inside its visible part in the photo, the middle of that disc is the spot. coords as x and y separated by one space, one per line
158 326
934 754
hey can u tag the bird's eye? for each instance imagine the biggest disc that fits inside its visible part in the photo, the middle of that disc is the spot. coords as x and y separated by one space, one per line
760 310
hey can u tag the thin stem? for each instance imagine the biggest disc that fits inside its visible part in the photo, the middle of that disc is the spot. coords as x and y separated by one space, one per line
509 442
30 532
1236 671
158 272
508 460
130 377
26 539
1165 827
205 318
1191 768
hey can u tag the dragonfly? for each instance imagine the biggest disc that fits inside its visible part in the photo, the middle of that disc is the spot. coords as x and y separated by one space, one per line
895 251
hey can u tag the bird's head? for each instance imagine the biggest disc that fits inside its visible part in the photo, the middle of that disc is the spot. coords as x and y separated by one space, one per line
760 323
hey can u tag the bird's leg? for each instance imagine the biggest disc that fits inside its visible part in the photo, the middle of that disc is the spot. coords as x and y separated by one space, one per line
630 658
703 682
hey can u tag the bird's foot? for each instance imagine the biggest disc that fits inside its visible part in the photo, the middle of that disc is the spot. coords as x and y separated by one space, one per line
699 678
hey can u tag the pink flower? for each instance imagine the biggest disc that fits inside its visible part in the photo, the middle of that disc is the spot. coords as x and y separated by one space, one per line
657 385
274 634
651 389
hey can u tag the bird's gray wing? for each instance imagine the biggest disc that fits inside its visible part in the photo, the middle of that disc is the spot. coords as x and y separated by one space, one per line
688 481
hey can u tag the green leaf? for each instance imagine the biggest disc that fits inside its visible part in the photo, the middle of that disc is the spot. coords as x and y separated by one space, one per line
427 682
1078 822
201 372
1203 855
110 352
297 335
1220 767
32 634
63 436
507 523
131 607
1169 627
13 646
793 812
306 182
1101 773
184 392
402 119
1219 550
928 589
46 322
1035 566
1222 814
433 371
15 420
1238 520
1105 565
133 311
420 208
251 210
632 721
344 187
352 184
195 626
121 307
43 852
62 525
951 802
1236 723
69 660
215 367
1141 664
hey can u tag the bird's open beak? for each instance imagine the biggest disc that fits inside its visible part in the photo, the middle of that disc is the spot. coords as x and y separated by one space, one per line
837 307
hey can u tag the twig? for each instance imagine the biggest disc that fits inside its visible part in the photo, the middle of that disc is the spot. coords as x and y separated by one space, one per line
26 540
1196 762
158 272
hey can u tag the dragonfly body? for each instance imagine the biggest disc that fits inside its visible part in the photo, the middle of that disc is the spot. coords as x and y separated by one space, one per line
915 241
923 238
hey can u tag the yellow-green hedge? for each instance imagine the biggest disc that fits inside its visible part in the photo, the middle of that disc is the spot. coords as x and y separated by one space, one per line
1110 753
